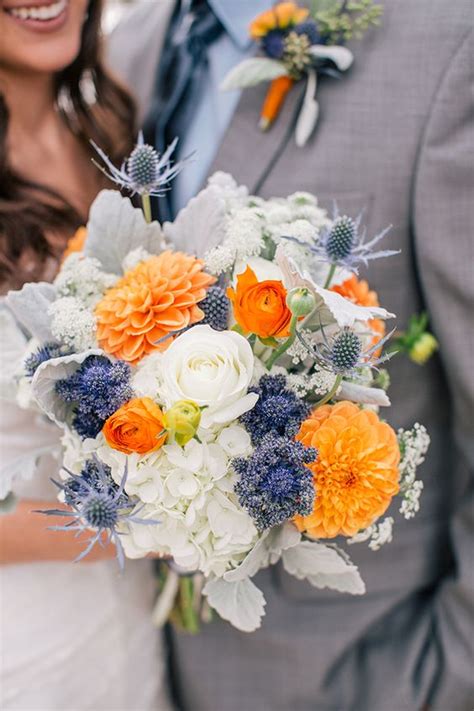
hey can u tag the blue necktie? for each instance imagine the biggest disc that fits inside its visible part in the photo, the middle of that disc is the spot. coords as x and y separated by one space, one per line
181 71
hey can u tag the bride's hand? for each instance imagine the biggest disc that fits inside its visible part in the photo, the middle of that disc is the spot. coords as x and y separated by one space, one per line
24 537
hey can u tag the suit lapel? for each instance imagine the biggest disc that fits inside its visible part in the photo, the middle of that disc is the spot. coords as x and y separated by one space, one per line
261 150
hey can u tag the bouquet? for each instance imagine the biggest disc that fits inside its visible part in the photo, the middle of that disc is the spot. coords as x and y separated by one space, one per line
217 382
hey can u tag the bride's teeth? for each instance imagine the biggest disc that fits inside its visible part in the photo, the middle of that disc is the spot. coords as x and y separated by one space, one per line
45 12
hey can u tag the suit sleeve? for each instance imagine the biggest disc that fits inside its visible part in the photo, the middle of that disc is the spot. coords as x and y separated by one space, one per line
444 236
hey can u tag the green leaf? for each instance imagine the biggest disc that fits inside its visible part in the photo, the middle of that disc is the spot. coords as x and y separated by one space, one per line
253 71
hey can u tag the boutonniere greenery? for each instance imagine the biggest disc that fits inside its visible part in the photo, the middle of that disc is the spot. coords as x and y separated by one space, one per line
298 43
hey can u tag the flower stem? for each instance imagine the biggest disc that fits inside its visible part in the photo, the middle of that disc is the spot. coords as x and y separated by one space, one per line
329 277
285 345
146 204
189 616
331 393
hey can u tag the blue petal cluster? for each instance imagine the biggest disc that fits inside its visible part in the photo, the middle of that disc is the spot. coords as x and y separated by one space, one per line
310 29
97 503
273 44
216 308
44 353
278 410
95 476
97 389
274 484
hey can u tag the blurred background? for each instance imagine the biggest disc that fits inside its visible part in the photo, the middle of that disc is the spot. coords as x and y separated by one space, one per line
116 9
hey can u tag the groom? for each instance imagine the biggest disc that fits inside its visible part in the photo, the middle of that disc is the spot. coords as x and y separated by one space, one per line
395 138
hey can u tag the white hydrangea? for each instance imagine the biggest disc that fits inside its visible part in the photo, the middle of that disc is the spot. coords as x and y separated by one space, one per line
82 277
190 491
147 376
73 324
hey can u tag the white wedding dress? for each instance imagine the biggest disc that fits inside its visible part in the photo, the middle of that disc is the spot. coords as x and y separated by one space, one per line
72 636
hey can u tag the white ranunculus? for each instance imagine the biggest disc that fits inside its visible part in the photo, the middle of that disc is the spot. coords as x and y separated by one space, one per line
213 368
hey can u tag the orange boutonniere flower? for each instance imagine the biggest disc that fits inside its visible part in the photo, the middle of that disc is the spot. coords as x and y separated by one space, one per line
154 299
279 17
260 306
138 426
356 472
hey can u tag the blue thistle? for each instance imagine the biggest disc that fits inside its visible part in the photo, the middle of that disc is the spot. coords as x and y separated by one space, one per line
273 44
144 172
343 244
275 485
93 475
278 410
97 503
340 240
310 29
97 389
42 354
216 308
343 355
345 351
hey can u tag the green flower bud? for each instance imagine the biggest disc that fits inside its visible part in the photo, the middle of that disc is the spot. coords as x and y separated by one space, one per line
182 421
423 348
300 301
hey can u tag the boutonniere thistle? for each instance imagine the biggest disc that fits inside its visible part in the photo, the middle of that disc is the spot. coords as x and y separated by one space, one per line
298 44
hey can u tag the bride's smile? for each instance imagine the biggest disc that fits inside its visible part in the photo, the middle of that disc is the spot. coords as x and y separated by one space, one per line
39 15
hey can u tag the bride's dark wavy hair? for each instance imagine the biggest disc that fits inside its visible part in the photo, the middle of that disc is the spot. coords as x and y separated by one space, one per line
36 221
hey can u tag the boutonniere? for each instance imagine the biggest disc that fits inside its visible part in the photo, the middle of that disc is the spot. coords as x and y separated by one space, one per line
297 45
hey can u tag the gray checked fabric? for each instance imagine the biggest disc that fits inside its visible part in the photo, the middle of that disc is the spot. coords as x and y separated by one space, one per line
396 137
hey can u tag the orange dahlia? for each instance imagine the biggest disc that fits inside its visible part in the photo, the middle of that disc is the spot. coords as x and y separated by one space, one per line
356 473
157 297
358 291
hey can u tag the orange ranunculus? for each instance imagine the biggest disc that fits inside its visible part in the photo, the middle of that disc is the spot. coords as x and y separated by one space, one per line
356 472
281 16
137 426
154 299
358 291
260 306
76 243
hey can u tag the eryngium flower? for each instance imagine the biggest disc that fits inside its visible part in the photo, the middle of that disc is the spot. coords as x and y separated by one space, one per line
144 171
278 410
344 354
42 354
344 243
275 485
216 308
97 389
97 503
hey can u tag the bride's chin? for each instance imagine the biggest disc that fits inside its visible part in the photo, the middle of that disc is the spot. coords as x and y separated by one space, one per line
38 46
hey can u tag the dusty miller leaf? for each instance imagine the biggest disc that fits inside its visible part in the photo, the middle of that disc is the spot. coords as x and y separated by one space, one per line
253 71
240 603
323 567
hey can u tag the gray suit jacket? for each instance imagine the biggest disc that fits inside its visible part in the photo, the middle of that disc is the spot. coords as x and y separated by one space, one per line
395 137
